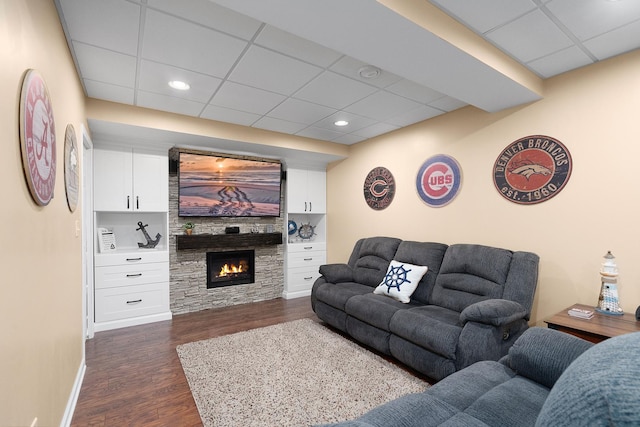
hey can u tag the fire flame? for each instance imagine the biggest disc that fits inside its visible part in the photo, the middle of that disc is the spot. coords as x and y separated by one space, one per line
226 270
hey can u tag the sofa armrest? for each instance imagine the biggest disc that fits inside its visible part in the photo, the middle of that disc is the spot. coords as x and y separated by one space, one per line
496 312
336 273
542 354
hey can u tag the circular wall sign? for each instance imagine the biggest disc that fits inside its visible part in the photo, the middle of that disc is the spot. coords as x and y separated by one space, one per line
379 188
71 172
37 138
439 180
532 169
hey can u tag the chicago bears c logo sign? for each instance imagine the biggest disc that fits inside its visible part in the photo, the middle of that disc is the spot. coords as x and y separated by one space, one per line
532 169
439 180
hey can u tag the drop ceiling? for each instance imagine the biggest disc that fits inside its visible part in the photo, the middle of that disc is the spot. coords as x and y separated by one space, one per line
298 66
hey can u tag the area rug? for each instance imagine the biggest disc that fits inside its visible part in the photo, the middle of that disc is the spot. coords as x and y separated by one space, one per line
297 373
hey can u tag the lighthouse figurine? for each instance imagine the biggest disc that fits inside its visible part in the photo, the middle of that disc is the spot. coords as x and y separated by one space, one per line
608 300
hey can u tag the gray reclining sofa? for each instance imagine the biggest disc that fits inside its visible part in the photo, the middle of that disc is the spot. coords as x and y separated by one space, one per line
471 305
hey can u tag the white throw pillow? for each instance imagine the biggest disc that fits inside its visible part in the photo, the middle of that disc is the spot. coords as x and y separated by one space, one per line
401 280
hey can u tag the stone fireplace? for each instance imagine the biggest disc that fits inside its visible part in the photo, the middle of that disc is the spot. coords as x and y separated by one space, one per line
188 264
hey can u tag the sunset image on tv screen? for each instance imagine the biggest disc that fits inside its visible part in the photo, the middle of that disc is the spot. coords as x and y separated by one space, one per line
221 186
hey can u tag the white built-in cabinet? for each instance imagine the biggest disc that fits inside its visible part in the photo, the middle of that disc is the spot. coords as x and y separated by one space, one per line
131 283
306 206
306 191
130 180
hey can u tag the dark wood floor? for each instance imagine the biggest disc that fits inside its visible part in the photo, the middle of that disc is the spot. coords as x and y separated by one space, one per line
134 376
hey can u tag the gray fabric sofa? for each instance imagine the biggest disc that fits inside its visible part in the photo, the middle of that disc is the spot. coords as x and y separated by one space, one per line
549 378
471 305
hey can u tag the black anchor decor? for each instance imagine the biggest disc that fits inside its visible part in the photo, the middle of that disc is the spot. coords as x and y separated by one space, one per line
150 242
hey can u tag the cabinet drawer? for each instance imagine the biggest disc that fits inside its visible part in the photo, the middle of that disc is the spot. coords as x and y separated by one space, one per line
306 247
301 279
302 259
132 301
131 258
128 275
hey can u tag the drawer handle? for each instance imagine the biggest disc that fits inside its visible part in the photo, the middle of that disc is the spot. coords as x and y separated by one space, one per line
134 259
308 247
135 301
308 259
308 278
134 275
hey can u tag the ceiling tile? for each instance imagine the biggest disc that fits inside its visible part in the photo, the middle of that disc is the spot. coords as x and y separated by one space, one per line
300 111
109 92
447 103
411 90
558 62
272 71
189 46
334 90
615 42
375 130
111 24
320 133
382 105
288 44
213 112
105 65
590 18
245 98
414 116
349 139
355 122
350 67
475 14
155 77
168 103
211 15
278 125
516 37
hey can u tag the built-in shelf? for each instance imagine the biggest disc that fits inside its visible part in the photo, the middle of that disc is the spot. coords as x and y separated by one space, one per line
212 241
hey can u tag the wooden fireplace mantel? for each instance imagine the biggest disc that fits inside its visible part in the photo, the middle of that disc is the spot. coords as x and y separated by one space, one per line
217 241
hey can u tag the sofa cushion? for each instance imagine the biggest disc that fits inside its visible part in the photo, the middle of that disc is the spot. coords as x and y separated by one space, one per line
337 295
336 273
376 310
543 354
431 327
600 388
423 253
400 281
374 255
469 274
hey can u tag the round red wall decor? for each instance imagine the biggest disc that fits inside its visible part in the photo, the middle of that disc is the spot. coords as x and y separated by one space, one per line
379 188
37 138
532 169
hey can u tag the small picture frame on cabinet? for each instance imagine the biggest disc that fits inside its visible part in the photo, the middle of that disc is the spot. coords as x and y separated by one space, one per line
106 240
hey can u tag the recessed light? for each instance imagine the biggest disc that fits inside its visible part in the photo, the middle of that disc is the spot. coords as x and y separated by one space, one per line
341 123
369 72
180 85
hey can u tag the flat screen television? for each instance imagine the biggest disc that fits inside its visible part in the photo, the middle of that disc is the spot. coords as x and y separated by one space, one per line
218 186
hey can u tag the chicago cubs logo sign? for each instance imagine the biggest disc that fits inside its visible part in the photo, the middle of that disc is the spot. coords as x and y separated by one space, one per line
439 180
379 188
532 169
37 138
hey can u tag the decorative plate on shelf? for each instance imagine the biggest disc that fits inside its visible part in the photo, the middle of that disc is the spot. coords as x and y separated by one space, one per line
292 227
306 231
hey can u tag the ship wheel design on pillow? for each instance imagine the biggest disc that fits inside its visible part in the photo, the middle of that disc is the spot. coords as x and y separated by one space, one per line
396 277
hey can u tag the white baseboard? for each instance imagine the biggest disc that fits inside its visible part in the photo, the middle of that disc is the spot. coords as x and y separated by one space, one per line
123 323
298 294
75 393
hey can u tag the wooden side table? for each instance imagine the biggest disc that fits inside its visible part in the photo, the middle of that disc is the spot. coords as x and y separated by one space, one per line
598 328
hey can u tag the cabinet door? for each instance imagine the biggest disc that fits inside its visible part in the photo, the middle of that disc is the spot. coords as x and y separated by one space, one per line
112 180
297 191
317 191
150 182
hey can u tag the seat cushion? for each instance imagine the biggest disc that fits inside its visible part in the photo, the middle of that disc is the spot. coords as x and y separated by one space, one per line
337 294
431 327
376 310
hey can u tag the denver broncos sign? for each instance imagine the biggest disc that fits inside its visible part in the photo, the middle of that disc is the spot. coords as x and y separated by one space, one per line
532 169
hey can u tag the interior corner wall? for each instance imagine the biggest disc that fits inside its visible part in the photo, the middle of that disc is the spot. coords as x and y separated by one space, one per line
41 285
593 111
